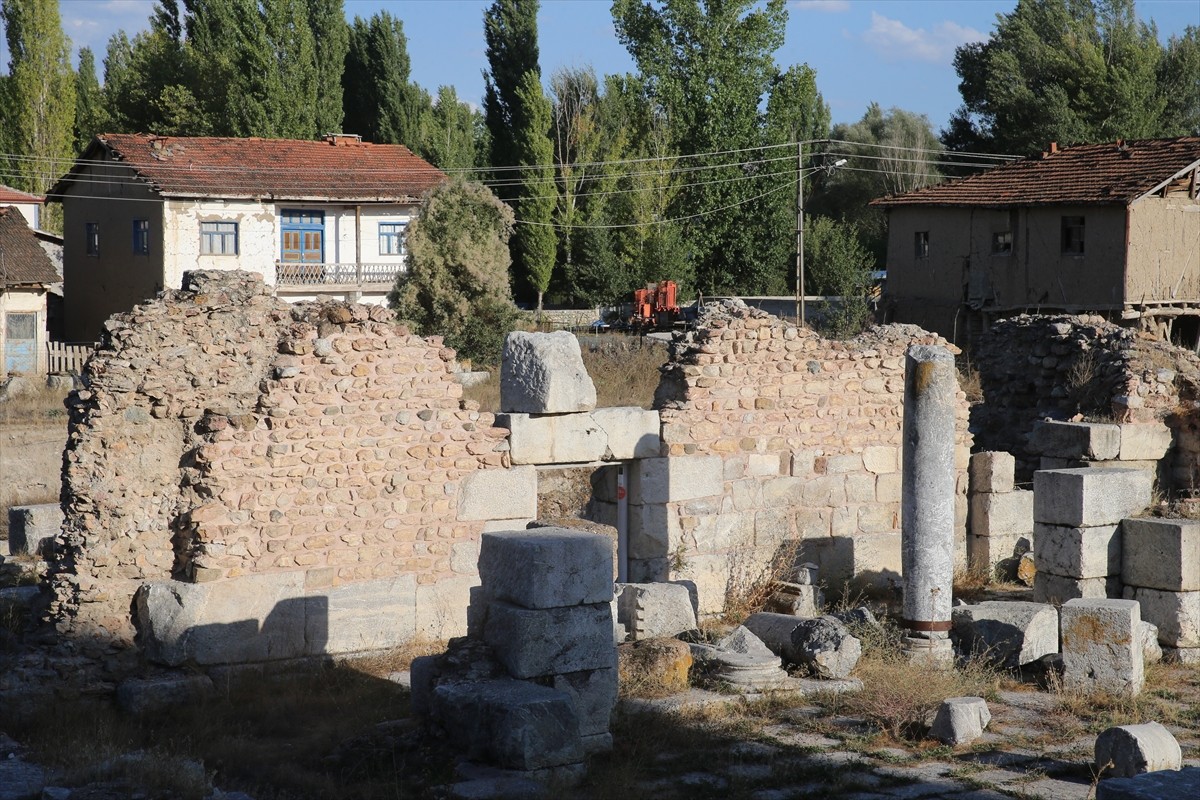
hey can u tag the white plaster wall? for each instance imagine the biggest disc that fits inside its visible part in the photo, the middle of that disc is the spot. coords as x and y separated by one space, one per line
19 301
258 245
30 211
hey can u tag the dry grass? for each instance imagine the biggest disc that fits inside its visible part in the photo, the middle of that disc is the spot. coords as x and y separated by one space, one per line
970 381
40 405
750 586
971 584
1171 696
624 369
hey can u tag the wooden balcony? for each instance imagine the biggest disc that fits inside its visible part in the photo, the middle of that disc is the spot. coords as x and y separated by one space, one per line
363 275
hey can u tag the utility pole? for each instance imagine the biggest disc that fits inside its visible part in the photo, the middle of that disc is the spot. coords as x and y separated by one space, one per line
800 233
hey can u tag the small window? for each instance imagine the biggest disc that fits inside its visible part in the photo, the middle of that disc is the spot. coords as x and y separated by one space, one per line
391 238
921 244
141 237
1002 243
91 234
1072 236
219 238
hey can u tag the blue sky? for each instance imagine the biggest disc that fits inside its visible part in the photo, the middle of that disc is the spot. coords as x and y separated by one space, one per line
894 52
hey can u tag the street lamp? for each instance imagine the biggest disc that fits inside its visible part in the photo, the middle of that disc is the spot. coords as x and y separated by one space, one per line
800 224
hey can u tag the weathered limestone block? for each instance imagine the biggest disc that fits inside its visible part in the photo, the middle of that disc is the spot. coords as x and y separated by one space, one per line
543 373
992 471
1093 552
654 610
553 439
1151 649
532 643
1152 785
515 724
865 559
632 432
498 494
1101 646
1162 554
1144 441
1175 614
440 607
367 615
140 696
796 599
960 720
31 529
1087 497
546 567
823 645
1084 440
1002 514
1011 634
997 555
1051 588
594 694
675 479
654 531
1129 750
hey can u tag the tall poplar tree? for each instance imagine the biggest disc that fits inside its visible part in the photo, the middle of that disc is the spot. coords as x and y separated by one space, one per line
89 100
327 21
510 30
381 104
37 111
535 239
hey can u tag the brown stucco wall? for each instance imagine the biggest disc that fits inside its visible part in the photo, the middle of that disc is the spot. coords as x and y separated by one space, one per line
1164 250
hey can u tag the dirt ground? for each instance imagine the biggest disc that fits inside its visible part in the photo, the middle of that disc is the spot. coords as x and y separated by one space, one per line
30 464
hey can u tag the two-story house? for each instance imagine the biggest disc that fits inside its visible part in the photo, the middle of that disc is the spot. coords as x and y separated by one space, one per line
1101 228
318 219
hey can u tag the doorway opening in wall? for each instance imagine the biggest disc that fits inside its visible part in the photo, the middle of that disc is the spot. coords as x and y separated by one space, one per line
1186 332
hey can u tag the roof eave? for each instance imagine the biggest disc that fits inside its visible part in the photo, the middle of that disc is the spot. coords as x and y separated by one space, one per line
1163 184
401 200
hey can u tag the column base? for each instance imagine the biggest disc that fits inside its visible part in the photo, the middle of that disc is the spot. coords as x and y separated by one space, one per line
928 652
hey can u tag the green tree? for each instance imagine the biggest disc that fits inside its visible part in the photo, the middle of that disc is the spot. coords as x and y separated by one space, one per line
89 101
535 238
458 260
327 21
1069 71
837 265
455 135
710 65
381 104
510 30
576 137
37 110
1179 78
148 85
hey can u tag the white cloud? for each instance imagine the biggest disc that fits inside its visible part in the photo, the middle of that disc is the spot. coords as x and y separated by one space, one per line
895 41
827 6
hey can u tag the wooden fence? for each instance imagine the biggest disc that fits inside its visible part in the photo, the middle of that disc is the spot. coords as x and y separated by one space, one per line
67 357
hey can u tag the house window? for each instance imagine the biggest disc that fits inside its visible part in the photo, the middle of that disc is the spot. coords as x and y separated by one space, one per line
391 238
921 244
1002 243
91 236
141 237
218 238
302 236
1072 236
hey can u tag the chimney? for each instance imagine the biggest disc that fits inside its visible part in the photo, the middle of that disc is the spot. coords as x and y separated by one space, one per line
1053 148
342 139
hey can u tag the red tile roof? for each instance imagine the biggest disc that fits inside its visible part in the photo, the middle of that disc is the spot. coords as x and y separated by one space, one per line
10 196
22 259
280 169
1112 173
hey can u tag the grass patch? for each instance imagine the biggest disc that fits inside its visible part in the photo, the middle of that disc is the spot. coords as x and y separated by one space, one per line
40 404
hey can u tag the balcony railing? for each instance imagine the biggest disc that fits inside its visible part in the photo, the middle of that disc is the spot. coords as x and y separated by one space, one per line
291 273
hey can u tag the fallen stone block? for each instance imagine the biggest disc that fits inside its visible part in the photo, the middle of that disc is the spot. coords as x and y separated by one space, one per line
632 432
1082 440
1166 785
992 471
798 600
1144 441
1093 552
141 696
1088 497
675 479
32 529
1057 589
1009 634
543 373
1102 647
515 724
499 494
960 720
742 661
1129 750
553 439
821 645
1176 614
655 610
1003 514
1151 649
1163 554
571 567
531 643
657 666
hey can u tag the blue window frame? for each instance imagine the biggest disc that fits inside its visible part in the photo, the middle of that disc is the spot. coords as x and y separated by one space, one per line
91 237
219 238
302 236
391 238
141 237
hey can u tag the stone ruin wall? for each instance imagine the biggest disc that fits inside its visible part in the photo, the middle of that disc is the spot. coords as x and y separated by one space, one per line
804 439
225 433
1034 367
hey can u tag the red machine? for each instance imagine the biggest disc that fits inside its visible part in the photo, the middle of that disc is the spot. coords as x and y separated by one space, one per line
656 306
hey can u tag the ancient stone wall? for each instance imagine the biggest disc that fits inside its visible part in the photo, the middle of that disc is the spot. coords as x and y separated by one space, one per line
226 434
774 437
1062 367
